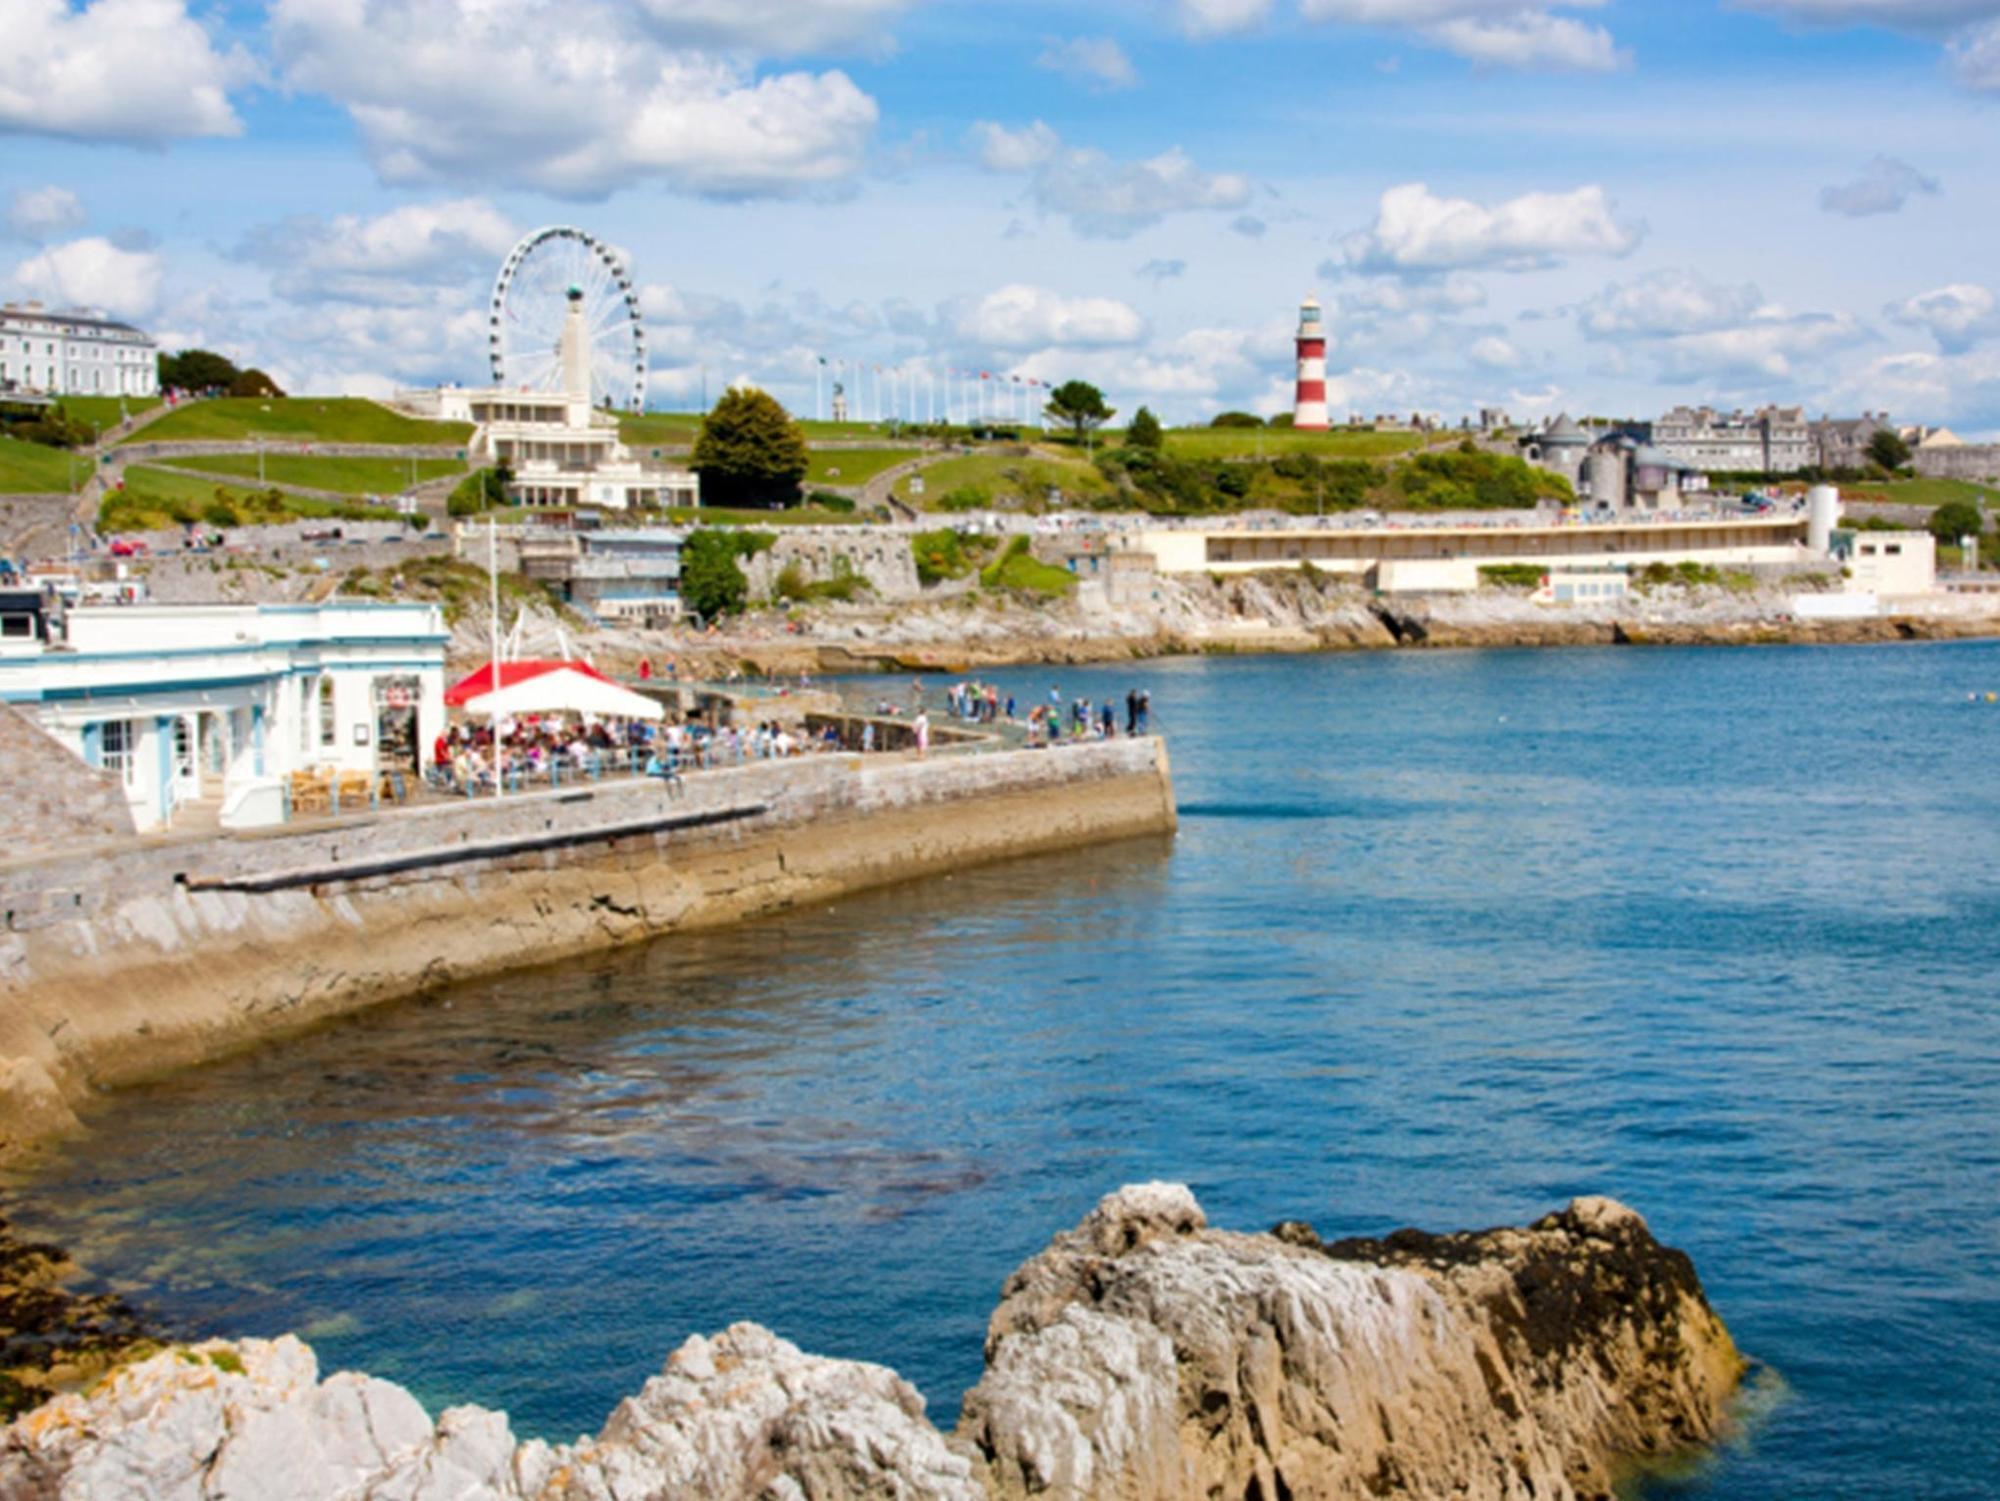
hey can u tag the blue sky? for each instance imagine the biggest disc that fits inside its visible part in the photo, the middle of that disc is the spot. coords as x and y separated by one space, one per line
1609 207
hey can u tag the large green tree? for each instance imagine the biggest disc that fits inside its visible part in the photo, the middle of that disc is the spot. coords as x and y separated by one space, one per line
1078 406
197 370
254 383
750 452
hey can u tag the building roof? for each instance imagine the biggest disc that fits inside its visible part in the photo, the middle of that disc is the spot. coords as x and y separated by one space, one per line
1564 430
70 318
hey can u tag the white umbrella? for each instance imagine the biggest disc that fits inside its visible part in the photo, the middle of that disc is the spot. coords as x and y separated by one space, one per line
565 692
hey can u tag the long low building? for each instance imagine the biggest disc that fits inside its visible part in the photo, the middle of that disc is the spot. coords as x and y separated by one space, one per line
1450 556
193 704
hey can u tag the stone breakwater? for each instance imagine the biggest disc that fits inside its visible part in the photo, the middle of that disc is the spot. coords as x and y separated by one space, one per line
1141 1357
125 960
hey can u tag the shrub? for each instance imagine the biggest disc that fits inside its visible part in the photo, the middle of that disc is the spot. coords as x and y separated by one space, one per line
1511 575
947 554
712 581
826 500
964 498
1017 568
1235 419
1955 518
481 490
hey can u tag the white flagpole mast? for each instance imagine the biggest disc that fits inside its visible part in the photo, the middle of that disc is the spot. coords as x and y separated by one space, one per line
493 603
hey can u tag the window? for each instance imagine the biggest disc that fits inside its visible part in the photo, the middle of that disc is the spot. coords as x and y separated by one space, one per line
119 745
327 730
17 627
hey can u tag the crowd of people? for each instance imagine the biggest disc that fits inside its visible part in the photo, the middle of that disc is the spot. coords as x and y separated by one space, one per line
554 749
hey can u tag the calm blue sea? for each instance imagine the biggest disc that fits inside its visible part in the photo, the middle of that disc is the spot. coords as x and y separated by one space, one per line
1445 939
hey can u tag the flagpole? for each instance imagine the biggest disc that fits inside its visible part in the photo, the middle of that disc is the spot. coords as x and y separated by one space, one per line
493 603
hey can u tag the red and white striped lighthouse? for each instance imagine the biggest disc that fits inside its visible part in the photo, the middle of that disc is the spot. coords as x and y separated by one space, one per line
1309 407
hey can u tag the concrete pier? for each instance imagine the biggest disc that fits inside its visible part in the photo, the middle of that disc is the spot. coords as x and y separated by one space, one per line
125 960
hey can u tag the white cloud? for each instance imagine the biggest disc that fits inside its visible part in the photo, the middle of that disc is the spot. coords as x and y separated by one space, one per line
37 213
1883 187
114 70
93 273
1767 348
1097 61
1666 304
1958 316
1416 231
1024 317
1101 197
1975 58
1520 34
1493 353
1379 296
394 258
1220 17
1157 270
569 96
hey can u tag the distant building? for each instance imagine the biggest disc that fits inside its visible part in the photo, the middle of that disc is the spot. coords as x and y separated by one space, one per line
1842 443
1888 564
1560 447
563 454
1493 420
74 353
1771 440
624 575
839 402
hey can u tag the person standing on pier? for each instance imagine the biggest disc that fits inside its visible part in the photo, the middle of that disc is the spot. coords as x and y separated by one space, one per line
1132 711
922 727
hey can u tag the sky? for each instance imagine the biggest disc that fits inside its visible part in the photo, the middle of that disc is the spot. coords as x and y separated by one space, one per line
1609 207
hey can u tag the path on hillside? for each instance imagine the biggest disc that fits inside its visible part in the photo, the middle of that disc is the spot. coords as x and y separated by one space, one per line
187 448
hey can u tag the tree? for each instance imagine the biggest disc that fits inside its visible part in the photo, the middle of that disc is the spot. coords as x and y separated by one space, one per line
1955 519
712 583
749 452
1888 449
1236 419
254 383
197 370
1144 431
1078 406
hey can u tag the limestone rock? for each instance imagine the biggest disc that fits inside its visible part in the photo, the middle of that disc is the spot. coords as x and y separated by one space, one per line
251 1421
746 1416
1144 1356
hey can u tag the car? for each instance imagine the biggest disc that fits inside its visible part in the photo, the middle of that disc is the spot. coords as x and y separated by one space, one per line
123 547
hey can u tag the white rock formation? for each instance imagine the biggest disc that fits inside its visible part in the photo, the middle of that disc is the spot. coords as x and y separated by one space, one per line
1141 1357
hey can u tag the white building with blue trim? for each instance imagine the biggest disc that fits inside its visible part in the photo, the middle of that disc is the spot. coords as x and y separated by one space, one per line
219 705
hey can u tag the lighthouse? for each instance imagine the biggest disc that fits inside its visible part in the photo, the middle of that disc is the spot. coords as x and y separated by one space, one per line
1309 407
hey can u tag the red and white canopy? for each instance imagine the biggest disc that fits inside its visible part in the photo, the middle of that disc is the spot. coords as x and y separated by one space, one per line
550 688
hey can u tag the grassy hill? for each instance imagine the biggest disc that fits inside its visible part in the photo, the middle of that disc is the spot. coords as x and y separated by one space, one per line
345 476
300 419
34 469
1002 481
1269 442
100 412
853 466
157 498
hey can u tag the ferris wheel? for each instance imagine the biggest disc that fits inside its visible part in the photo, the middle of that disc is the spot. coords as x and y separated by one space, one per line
531 298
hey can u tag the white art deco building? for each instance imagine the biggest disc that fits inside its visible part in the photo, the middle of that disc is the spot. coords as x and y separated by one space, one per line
562 452
74 353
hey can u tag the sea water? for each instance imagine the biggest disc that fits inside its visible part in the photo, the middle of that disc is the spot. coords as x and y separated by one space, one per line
1445 939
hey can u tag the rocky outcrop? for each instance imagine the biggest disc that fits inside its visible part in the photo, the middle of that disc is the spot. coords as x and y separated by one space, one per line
1142 1357
1143 1354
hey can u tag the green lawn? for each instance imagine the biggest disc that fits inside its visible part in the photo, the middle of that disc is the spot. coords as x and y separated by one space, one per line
1005 479
725 516
856 466
302 419
1921 492
35 469
346 476
1269 442
101 412
155 498
641 430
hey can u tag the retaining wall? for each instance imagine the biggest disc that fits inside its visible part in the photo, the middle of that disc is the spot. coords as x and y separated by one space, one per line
129 959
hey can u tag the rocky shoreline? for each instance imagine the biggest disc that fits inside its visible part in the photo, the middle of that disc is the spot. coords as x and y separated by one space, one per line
1141 1355
53 1338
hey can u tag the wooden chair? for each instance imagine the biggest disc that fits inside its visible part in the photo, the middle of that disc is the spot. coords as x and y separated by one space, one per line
311 792
354 790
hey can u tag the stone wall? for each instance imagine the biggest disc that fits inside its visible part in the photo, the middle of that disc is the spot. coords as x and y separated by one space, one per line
54 801
884 559
1968 461
29 522
125 959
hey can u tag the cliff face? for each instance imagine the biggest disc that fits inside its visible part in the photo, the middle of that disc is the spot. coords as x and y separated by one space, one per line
1141 1357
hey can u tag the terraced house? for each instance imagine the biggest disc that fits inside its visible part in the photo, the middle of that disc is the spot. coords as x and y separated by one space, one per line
74 353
